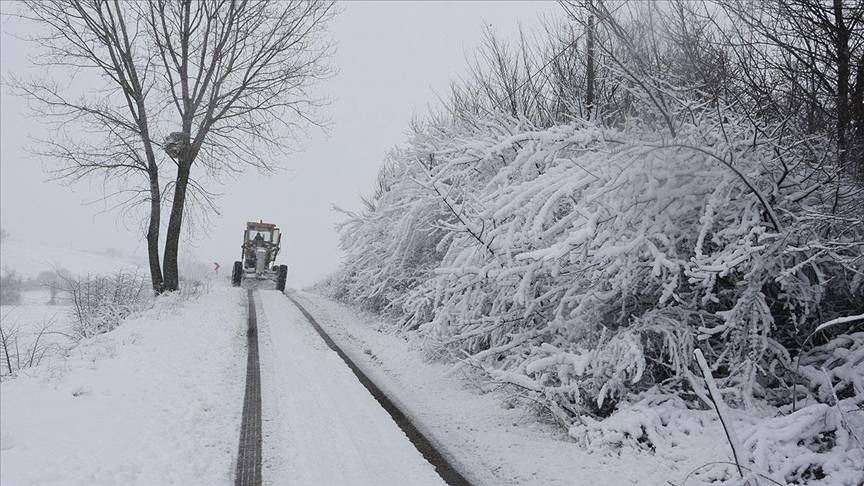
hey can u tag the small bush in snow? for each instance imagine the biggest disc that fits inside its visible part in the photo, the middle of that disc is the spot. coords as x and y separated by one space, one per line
19 350
100 303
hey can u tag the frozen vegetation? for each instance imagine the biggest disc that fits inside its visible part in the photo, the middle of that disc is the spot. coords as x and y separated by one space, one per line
55 297
579 261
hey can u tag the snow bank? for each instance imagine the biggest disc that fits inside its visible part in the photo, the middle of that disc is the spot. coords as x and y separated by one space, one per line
816 445
491 442
156 401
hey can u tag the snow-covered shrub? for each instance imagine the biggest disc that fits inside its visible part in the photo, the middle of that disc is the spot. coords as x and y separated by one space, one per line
333 286
580 263
591 261
833 371
817 442
399 235
100 303
655 424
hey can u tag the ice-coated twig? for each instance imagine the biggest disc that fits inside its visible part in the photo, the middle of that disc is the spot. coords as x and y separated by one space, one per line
839 320
722 411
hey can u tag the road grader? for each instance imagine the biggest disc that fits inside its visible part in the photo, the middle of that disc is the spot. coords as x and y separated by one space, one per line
257 261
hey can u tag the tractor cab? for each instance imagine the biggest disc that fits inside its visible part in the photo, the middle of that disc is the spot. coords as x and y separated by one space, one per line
261 242
262 235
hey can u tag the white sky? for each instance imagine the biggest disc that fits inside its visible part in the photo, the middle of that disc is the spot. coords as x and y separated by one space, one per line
391 57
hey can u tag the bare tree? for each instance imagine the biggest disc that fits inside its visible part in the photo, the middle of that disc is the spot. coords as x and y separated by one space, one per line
238 73
50 280
224 82
536 83
804 53
106 129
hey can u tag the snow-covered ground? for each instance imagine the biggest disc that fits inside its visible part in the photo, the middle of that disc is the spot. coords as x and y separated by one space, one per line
320 425
500 445
155 402
492 444
158 401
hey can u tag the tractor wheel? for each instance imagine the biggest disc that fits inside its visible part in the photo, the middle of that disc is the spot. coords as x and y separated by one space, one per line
281 277
237 274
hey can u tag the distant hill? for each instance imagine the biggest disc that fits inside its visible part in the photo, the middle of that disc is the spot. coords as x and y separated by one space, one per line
30 258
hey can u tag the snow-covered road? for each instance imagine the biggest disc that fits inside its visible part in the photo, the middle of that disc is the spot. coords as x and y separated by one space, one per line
320 425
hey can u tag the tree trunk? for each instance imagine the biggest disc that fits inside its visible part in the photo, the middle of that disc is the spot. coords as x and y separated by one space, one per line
155 204
589 64
175 225
858 116
841 45
153 236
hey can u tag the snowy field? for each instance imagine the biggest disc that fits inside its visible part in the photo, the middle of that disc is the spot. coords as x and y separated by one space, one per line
41 331
29 259
156 401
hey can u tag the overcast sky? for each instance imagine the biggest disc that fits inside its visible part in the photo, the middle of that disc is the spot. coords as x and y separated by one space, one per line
391 57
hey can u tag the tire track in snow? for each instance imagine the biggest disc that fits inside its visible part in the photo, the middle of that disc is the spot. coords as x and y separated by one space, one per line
442 466
249 449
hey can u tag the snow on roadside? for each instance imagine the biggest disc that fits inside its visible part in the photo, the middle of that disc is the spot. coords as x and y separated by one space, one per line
156 401
653 442
493 444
